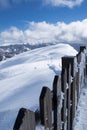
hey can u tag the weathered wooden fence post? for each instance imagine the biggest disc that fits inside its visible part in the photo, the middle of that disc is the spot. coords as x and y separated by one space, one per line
82 48
46 107
84 61
78 76
57 102
81 59
64 99
69 60
68 95
66 65
66 62
78 85
73 101
86 65
25 120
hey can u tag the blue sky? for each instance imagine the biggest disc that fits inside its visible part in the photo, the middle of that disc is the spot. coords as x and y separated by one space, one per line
20 14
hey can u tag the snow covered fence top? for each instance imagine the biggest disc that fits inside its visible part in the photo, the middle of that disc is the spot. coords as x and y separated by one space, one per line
57 108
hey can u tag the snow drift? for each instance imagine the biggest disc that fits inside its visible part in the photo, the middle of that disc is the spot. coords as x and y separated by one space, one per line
23 76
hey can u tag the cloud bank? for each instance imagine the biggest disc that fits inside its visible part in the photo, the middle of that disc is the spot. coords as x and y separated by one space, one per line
43 32
68 3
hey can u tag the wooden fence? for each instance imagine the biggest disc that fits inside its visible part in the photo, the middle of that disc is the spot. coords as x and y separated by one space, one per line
58 107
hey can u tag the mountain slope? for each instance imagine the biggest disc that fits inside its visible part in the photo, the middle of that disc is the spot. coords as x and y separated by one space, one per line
23 76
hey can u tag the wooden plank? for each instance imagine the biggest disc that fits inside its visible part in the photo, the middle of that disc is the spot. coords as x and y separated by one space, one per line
68 95
78 85
64 102
86 69
46 107
78 57
86 66
78 76
25 120
82 48
71 91
66 61
73 102
57 102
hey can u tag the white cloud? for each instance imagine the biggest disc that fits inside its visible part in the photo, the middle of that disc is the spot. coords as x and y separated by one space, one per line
68 3
43 32
12 35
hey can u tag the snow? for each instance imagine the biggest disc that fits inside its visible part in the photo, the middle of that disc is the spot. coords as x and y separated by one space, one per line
80 122
23 76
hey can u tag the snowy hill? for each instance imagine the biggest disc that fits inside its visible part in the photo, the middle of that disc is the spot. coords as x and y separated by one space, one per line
23 76
8 51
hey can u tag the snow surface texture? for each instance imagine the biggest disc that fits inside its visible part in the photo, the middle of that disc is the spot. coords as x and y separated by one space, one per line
23 76
81 114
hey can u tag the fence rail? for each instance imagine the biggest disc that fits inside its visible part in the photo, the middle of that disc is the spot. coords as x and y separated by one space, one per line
58 107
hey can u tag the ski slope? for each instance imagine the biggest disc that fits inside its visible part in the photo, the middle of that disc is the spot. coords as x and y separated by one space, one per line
23 76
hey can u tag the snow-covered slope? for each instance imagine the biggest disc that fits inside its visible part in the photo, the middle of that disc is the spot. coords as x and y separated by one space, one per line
80 122
23 76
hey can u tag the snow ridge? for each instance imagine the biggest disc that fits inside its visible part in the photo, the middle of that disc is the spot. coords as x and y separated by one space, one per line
23 76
